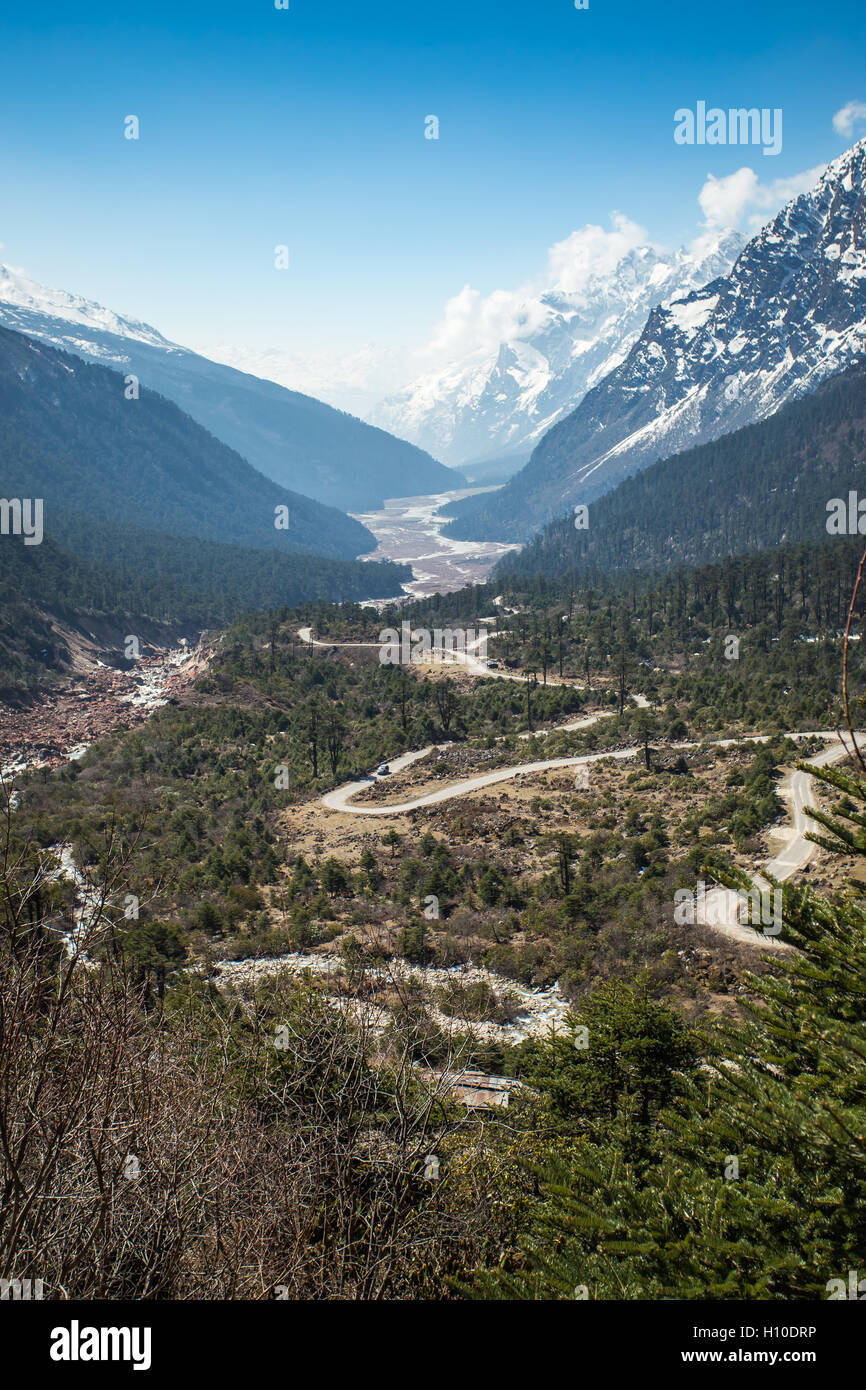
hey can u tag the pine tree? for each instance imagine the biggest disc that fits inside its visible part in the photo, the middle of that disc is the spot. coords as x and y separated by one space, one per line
751 1185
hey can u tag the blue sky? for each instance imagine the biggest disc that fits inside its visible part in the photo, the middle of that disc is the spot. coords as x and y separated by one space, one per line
306 127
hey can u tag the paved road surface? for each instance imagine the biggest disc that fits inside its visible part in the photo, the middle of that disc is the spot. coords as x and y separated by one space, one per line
720 907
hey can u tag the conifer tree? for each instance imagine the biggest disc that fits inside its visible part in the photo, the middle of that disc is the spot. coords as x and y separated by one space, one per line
752 1183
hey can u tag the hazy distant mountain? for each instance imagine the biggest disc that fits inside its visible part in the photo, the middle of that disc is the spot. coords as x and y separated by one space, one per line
354 381
790 313
297 441
498 403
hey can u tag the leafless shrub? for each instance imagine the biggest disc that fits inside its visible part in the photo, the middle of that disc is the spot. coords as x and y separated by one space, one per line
223 1145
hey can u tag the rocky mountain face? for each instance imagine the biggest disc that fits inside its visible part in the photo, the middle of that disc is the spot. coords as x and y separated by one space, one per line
499 403
296 441
791 312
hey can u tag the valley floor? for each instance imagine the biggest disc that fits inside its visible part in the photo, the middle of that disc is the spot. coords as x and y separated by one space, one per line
409 531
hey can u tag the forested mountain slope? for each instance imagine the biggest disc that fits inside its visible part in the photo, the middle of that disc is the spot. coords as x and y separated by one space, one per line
790 314
295 440
69 435
760 486
179 583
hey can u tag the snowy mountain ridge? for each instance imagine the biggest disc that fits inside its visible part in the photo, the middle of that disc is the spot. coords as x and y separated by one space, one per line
790 313
502 400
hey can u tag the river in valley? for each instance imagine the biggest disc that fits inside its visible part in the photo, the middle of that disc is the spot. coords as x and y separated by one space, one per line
62 722
409 531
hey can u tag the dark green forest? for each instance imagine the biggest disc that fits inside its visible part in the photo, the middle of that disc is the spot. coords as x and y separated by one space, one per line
185 585
650 1152
750 490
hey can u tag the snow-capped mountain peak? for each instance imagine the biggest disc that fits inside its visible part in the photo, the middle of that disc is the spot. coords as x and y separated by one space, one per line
292 438
501 400
18 291
789 313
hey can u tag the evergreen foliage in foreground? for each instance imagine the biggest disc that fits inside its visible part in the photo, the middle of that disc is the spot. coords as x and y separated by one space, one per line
751 1184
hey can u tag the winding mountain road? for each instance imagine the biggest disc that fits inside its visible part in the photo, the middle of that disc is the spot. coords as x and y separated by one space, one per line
466 658
720 907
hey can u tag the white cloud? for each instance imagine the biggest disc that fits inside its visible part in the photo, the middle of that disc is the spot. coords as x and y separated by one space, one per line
724 201
845 119
573 262
741 200
473 322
